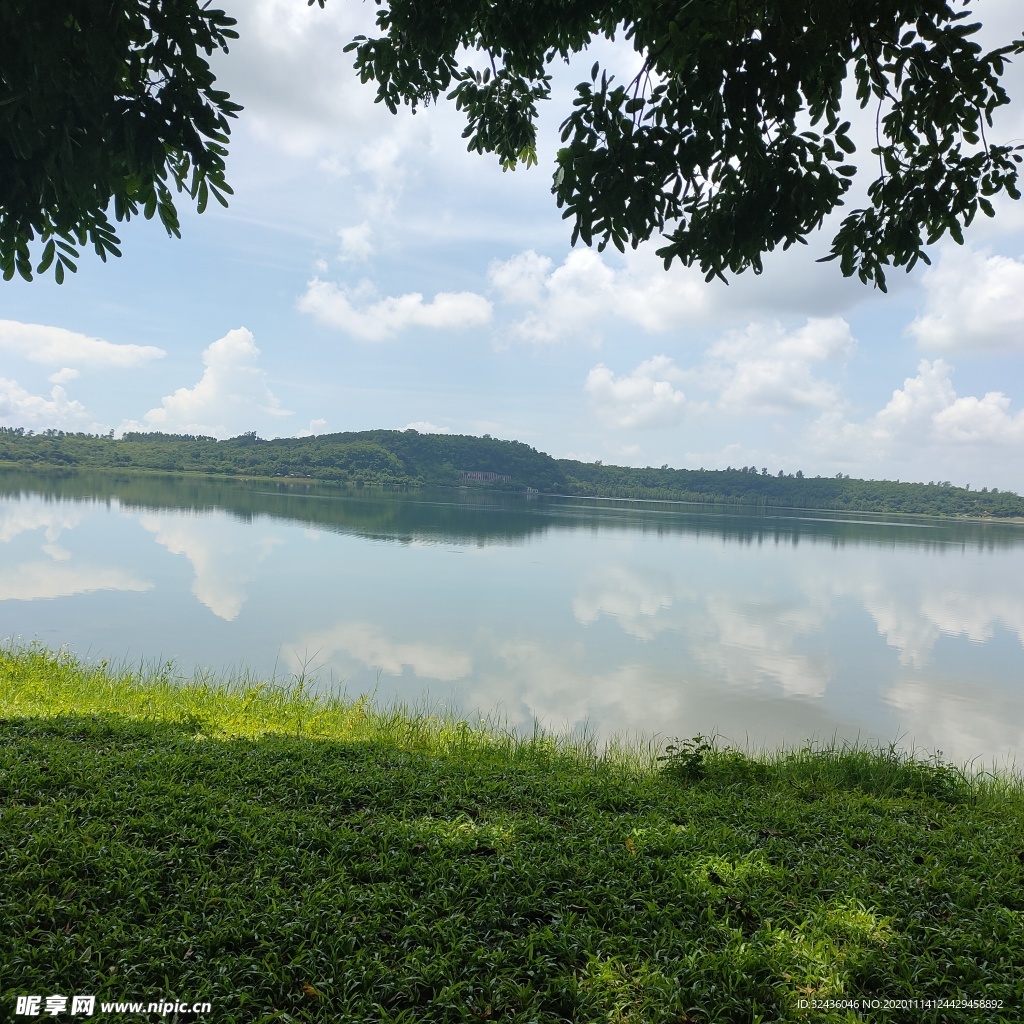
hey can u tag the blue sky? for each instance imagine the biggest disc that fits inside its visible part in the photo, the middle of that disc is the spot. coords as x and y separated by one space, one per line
371 273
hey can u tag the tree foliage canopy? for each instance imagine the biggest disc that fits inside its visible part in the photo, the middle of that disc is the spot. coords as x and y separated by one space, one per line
729 142
104 103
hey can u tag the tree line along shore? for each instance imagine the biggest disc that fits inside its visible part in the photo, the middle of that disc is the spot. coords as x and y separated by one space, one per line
407 458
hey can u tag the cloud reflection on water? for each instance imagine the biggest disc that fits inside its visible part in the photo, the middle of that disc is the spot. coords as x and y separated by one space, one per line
673 622
633 596
43 580
372 647
961 722
27 515
914 605
224 560
37 581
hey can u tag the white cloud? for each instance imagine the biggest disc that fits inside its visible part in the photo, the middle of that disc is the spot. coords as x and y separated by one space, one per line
426 427
927 409
766 369
917 402
333 306
286 69
584 290
20 408
973 300
232 390
984 420
522 278
40 343
356 244
589 291
644 398
63 376
311 117
925 423
315 427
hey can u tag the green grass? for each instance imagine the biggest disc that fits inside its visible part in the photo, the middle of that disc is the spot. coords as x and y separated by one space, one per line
293 858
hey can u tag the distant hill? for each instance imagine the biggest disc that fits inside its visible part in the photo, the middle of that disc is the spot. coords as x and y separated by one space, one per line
378 457
748 486
406 458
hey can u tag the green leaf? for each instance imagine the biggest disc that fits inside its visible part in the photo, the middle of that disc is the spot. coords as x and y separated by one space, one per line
846 143
48 254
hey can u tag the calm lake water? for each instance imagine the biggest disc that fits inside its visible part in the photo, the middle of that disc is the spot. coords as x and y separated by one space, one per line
648 618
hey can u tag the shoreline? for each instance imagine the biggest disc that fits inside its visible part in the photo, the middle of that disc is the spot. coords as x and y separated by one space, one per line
749 508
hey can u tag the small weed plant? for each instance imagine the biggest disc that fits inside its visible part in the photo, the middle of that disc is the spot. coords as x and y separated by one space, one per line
687 759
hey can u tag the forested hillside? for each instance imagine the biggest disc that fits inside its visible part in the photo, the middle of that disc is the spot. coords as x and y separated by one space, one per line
381 457
749 486
407 458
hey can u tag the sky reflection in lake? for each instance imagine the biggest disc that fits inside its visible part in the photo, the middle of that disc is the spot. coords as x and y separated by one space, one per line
653 619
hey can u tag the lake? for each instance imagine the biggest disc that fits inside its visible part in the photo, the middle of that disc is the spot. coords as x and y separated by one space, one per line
619 617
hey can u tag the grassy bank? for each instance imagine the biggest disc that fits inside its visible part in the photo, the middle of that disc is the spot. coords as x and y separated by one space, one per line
288 858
